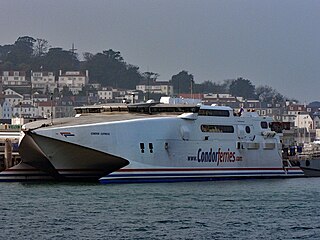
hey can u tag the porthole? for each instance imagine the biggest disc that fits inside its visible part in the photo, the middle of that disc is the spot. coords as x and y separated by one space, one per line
248 130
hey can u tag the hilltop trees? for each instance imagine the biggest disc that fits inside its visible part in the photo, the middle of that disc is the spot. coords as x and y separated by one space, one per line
109 68
268 94
182 82
18 55
40 48
243 88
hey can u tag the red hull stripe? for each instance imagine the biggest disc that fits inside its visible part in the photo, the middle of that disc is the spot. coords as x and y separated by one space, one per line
199 169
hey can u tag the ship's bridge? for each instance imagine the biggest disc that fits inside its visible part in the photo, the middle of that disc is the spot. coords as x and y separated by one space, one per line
218 111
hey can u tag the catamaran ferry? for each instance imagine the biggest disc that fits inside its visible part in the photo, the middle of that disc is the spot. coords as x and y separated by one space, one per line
155 142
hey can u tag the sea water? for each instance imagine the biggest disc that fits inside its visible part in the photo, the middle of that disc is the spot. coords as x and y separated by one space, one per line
234 209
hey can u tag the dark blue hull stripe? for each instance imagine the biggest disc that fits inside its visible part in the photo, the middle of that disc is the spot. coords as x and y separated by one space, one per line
195 174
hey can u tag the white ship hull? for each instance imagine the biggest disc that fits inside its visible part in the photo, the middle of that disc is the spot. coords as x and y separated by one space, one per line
174 148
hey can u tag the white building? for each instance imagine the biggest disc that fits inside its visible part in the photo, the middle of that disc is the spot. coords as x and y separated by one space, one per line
303 120
74 80
12 97
5 109
45 109
43 81
105 94
162 87
24 110
14 78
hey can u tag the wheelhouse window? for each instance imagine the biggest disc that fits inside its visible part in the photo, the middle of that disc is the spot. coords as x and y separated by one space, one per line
217 128
214 112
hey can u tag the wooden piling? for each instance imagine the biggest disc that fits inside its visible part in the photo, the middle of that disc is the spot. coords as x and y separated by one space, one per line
8 154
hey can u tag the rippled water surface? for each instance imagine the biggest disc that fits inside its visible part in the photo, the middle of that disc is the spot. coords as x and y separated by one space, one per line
241 209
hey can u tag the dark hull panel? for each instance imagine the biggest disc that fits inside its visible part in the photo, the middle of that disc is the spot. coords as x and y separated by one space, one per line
65 160
311 172
32 155
310 167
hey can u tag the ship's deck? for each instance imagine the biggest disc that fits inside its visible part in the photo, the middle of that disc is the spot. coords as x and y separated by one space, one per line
114 112
91 118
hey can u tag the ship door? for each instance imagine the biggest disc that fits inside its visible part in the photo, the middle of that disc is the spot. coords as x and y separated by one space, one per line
241 132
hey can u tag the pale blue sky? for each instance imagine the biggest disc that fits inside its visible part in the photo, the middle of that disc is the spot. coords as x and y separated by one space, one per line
271 42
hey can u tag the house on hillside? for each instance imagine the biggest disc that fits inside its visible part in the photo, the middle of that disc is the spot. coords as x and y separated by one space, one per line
45 109
105 94
14 78
5 109
160 87
44 82
24 110
12 97
74 80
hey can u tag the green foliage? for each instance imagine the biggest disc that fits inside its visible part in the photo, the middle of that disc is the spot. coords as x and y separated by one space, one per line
210 87
19 53
182 82
109 69
58 59
269 95
242 88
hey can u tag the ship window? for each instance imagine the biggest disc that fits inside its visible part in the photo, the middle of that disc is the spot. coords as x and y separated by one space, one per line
142 147
248 130
264 125
214 112
217 128
151 147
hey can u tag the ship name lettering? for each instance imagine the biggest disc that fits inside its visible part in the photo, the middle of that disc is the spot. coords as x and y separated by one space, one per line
217 157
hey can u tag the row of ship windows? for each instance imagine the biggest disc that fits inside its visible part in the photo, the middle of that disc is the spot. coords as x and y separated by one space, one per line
217 113
227 128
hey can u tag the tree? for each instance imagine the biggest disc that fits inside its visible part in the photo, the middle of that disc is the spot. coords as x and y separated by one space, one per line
87 56
113 55
150 77
242 88
59 59
21 52
268 94
109 69
182 82
4 51
41 47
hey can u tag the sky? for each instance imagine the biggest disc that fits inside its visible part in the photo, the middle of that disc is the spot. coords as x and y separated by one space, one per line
269 42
